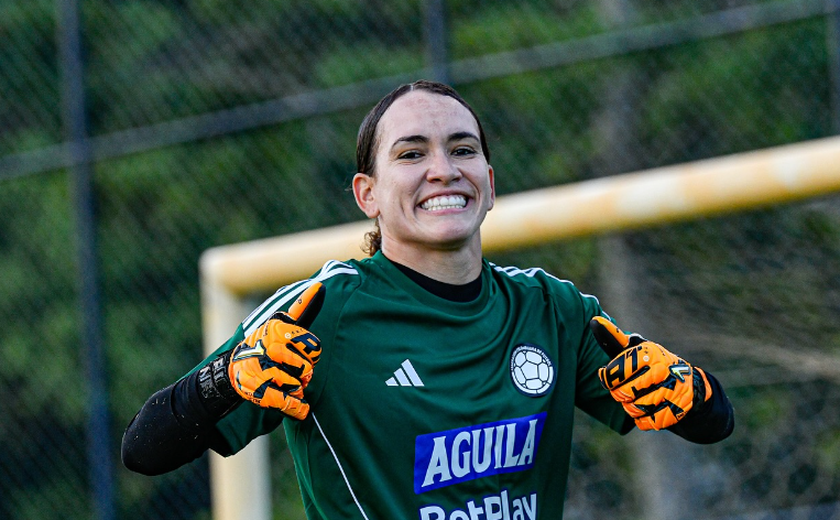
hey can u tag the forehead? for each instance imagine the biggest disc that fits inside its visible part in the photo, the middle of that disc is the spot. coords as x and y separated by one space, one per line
425 113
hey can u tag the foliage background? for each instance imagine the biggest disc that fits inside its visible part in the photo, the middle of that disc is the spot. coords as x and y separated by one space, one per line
214 122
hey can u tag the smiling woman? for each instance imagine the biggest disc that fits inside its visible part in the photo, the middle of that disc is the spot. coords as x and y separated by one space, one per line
368 138
445 385
430 187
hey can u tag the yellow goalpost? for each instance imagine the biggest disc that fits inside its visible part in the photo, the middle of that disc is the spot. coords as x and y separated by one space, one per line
229 274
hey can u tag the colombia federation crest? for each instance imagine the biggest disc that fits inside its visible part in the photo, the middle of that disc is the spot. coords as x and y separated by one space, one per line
531 370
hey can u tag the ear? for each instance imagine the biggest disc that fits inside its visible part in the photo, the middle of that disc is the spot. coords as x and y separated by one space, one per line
492 187
363 191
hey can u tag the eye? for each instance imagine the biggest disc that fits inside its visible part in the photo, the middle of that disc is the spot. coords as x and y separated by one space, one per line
464 151
409 155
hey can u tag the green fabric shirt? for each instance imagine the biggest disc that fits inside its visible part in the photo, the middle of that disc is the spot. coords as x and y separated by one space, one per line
431 409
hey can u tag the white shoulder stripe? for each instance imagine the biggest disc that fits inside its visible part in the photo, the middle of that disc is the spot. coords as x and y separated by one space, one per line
340 468
280 298
530 273
513 271
287 293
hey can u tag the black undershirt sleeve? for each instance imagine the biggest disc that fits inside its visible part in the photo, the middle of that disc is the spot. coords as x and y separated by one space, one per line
710 422
175 426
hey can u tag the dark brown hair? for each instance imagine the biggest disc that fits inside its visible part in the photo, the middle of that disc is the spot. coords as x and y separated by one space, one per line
367 140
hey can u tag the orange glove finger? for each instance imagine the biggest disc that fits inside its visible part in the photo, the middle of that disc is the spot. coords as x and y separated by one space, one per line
271 388
284 342
308 305
663 406
290 403
612 339
253 379
655 387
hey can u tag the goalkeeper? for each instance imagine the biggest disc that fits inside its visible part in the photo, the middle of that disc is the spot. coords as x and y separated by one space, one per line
425 381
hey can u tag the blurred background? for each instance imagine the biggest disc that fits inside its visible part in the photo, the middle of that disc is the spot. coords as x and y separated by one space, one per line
135 134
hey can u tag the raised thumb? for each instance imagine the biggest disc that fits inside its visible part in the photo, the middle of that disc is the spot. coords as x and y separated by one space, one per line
612 339
308 305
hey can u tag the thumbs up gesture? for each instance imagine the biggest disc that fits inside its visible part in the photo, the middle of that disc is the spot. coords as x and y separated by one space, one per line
655 387
273 365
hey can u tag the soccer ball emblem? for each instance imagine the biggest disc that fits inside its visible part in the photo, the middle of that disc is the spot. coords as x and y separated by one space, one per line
531 370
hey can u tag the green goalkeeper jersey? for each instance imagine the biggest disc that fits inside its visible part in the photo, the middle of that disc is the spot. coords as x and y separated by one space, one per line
431 409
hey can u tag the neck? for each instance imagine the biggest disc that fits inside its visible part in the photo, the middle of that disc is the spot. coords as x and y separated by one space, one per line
454 266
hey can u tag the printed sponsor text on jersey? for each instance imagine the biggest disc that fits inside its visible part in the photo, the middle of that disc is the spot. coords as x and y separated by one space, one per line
453 456
493 507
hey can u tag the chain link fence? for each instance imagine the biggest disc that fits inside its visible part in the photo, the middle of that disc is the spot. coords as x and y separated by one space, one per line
208 122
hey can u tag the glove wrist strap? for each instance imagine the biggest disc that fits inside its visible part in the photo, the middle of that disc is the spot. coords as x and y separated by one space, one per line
214 383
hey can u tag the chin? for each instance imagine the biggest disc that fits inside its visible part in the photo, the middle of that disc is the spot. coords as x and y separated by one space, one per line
454 239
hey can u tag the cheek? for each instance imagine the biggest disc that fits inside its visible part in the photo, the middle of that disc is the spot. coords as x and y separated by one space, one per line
388 198
397 189
483 180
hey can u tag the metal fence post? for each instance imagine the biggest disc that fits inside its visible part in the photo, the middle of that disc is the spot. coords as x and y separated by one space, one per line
437 47
75 123
832 44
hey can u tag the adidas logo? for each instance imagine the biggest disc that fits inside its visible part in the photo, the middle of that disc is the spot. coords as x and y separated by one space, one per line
405 376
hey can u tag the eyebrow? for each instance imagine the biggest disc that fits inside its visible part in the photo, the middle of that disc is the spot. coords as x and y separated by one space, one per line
417 138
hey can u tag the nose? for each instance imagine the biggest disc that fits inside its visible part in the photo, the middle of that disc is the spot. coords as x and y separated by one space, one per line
443 169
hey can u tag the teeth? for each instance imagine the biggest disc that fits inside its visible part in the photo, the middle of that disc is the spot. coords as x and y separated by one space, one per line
445 202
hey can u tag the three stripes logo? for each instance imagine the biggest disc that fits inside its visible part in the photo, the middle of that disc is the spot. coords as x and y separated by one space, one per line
405 376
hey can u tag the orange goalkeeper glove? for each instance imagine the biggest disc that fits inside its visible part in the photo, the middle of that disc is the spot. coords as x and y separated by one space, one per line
273 365
655 387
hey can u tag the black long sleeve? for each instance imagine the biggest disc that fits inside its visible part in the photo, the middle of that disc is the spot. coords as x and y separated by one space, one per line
175 426
710 422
